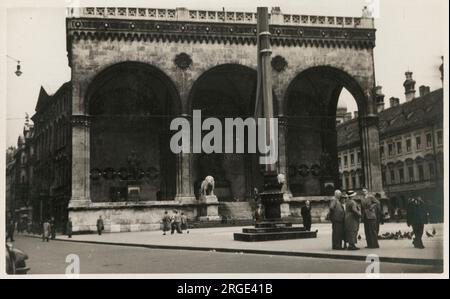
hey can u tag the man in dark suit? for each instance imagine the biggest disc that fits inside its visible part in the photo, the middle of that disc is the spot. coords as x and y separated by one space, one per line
417 218
337 216
100 226
351 223
371 216
306 215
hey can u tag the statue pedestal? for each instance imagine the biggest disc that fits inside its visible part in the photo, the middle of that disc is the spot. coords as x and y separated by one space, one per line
209 210
273 227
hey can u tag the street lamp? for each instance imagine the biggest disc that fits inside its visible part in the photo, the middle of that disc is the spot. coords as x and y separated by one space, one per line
18 72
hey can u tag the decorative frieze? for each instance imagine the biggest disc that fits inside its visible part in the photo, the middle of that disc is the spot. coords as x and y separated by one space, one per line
178 31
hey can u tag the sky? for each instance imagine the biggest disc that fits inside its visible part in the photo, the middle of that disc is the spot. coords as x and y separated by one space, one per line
411 35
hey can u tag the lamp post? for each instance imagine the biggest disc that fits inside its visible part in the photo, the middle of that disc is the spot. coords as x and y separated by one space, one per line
18 72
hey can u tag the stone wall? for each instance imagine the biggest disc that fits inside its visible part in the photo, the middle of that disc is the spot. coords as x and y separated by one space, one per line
236 210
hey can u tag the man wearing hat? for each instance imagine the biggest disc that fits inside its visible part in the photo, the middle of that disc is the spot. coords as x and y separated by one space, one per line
351 223
337 217
371 216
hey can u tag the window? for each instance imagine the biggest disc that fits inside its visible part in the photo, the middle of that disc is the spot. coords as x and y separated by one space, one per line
401 175
399 147
411 173
418 142
345 161
353 182
361 180
382 151
391 149
408 145
392 177
339 162
352 159
383 177
346 183
421 176
439 137
359 158
429 140
431 169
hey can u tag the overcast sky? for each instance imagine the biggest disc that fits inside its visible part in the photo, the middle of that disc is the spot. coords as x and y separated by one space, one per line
411 35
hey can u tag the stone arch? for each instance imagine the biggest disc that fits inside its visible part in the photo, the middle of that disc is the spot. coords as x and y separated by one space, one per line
310 103
109 72
130 106
221 68
339 76
226 91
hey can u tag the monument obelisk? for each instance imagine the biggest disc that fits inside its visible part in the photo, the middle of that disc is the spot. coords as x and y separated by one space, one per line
272 227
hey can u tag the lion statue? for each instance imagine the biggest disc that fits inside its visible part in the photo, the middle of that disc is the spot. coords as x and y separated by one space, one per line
207 186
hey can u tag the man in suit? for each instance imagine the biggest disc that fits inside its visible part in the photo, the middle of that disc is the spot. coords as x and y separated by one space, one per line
337 216
100 226
417 218
351 223
371 216
306 215
69 228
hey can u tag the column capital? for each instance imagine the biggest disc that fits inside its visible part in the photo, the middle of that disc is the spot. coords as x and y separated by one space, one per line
369 120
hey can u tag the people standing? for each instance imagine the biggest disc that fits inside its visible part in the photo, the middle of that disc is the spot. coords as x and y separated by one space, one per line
417 218
351 223
166 220
176 223
53 228
306 215
100 226
69 228
337 216
10 228
184 223
46 231
371 217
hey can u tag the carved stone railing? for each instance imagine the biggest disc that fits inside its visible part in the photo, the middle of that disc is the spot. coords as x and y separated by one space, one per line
183 14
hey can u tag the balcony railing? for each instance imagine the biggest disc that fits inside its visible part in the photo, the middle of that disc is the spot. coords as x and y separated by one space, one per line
183 14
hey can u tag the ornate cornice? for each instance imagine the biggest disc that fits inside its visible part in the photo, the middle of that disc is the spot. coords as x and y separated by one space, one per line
233 33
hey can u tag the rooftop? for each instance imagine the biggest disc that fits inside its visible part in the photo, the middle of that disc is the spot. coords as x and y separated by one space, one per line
420 111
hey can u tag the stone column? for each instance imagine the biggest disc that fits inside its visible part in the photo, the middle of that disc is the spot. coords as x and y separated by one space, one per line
80 161
371 153
185 184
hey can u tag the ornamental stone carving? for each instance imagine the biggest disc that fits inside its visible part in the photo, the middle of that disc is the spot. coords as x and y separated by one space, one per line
183 61
279 63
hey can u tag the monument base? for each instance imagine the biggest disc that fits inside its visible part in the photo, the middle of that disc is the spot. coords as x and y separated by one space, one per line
209 208
273 230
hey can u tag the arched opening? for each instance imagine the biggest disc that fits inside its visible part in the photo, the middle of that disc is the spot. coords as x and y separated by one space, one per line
226 91
131 105
315 160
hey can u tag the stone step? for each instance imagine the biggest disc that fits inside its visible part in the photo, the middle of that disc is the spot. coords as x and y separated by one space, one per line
236 210
269 224
258 237
272 229
220 223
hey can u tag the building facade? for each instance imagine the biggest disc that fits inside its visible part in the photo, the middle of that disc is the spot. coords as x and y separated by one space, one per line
102 141
51 157
411 150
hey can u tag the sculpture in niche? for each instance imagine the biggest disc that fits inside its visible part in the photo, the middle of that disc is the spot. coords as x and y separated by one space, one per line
207 186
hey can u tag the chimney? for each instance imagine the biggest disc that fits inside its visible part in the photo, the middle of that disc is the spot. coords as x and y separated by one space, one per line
379 97
394 102
423 90
409 84
355 114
